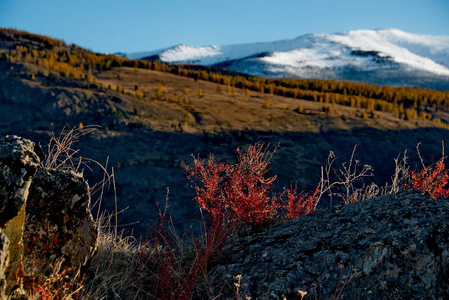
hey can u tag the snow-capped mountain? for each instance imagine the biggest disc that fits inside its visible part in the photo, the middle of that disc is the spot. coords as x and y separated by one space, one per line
387 56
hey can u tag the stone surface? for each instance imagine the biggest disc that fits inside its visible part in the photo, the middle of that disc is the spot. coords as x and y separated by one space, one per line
59 232
397 246
47 230
4 260
19 159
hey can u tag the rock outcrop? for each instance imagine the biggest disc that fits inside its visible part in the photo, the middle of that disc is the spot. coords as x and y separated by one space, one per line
19 159
59 228
48 233
390 247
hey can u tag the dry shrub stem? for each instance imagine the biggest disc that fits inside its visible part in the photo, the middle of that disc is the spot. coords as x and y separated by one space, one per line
341 286
400 177
343 182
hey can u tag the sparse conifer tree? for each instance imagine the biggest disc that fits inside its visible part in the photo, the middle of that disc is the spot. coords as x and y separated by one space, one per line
299 109
229 89
267 103
159 91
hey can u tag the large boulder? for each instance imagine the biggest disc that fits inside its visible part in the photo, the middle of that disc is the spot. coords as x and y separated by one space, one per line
390 247
47 231
59 232
19 159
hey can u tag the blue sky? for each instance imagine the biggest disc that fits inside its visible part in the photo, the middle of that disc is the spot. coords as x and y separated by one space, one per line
140 25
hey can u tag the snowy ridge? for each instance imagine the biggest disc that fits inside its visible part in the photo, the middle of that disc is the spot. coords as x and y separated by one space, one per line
188 53
362 55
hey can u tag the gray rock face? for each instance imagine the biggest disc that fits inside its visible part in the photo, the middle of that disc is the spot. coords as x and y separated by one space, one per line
19 159
44 219
59 229
396 245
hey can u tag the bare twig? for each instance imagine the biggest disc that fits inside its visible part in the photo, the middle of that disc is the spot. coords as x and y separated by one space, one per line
339 289
400 177
345 180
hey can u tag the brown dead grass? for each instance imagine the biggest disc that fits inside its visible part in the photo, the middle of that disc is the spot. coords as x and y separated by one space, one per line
222 111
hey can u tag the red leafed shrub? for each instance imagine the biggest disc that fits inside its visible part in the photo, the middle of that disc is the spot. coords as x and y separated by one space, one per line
175 268
230 196
296 205
240 193
432 179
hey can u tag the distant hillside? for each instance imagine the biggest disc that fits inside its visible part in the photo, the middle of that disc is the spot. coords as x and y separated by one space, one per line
154 116
387 56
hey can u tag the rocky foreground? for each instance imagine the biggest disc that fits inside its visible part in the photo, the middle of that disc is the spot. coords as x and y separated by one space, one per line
390 247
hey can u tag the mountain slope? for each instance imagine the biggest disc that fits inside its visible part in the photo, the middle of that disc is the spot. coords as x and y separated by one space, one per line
387 56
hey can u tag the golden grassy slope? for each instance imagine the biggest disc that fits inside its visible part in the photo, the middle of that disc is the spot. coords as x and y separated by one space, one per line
219 109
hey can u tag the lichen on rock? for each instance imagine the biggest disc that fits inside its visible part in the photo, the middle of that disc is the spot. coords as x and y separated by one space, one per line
56 228
45 219
19 160
394 247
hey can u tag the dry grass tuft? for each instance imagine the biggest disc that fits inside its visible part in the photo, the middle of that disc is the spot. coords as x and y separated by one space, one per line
61 155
